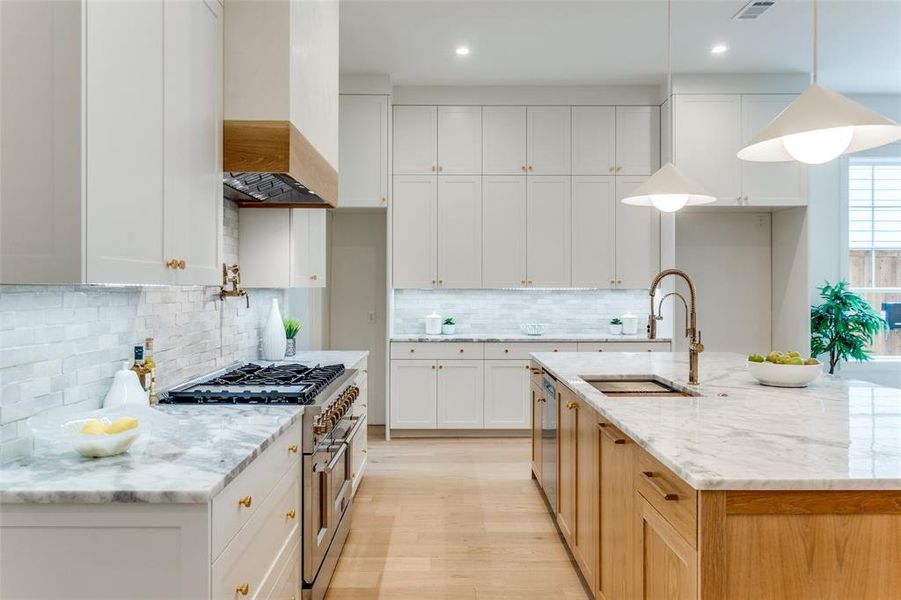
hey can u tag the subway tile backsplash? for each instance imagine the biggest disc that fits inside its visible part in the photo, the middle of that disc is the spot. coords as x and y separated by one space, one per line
502 311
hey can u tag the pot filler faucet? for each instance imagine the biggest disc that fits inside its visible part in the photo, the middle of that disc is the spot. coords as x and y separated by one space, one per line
695 347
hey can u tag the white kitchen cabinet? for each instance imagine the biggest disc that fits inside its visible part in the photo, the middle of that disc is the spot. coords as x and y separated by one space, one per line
459 235
549 249
363 151
504 140
507 400
593 231
282 247
460 392
415 140
414 400
503 231
414 233
460 140
549 140
637 140
593 140
769 184
637 239
707 133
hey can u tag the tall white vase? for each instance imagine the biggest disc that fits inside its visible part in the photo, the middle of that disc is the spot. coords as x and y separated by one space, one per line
274 342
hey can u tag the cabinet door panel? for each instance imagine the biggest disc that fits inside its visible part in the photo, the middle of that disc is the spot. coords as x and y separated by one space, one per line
503 231
616 458
124 106
637 140
593 232
413 394
668 565
460 394
637 239
586 535
504 140
536 395
459 231
507 398
707 136
363 151
264 247
308 240
550 135
549 227
566 469
593 140
415 140
460 140
767 184
414 231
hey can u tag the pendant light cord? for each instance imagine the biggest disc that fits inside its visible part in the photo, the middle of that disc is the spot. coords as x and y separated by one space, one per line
669 72
816 10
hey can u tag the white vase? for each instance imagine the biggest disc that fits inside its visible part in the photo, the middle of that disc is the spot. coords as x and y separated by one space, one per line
274 342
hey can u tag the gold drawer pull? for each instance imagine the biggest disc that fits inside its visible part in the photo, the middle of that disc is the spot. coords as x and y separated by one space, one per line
506 351
243 589
648 476
291 513
536 371
246 501
412 350
292 448
363 405
605 429
571 405
461 350
364 450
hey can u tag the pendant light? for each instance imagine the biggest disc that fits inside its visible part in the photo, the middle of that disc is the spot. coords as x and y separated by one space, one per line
820 125
668 190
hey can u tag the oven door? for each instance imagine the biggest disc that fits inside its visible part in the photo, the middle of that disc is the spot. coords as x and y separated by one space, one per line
327 486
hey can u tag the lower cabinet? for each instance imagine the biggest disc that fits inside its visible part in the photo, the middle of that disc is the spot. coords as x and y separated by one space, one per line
460 394
667 564
430 394
537 399
567 423
616 524
585 538
507 398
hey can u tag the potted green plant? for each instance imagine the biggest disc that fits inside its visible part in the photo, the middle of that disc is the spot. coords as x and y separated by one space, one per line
616 326
292 326
843 325
448 326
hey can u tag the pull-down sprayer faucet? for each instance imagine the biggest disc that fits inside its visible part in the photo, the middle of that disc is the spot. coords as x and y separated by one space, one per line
695 347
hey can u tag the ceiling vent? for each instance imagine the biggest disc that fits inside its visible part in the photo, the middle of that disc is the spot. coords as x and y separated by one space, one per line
753 9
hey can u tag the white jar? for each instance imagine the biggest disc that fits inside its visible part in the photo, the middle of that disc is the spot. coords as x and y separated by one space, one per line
433 324
630 324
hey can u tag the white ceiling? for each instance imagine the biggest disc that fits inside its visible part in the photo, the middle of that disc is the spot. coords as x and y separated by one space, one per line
559 42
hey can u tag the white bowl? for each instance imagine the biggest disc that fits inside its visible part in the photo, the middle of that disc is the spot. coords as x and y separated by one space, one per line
533 328
769 373
102 445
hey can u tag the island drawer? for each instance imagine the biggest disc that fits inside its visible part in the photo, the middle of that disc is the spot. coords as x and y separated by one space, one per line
523 350
437 350
624 346
283 581
674 499
249 557
236 504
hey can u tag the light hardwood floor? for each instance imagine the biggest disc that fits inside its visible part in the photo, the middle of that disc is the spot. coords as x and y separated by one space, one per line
452 518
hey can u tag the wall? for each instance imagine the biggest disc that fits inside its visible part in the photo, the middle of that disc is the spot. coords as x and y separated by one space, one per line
501 311
60 345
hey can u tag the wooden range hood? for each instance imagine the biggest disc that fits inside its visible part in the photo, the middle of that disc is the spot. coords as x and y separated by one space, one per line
271 164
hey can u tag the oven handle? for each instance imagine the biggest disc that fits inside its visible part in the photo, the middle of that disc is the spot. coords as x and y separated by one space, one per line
337 457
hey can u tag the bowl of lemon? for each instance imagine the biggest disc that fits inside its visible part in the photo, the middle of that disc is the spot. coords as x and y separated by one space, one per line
101 436
784 369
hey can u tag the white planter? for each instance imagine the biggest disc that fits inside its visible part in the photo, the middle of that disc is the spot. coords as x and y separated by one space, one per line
448 329
274 342
616 329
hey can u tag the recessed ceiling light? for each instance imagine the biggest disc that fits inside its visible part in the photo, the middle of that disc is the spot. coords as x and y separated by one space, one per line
462 51
719 49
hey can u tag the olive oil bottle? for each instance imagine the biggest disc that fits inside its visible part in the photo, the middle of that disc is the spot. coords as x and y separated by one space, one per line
150 368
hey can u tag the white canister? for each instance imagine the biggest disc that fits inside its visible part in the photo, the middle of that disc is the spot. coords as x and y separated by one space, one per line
630 324
433 324
274 343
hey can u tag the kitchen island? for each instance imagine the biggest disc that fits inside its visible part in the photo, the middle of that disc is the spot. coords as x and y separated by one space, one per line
734 490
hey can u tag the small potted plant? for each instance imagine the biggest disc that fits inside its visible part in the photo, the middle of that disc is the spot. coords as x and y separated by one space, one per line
292 326
616 326
449 326
843 325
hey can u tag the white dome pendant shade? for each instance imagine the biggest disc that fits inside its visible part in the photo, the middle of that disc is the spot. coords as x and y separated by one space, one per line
668 190
818 126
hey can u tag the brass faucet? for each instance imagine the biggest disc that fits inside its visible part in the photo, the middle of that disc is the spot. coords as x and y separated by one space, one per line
231 274
695 347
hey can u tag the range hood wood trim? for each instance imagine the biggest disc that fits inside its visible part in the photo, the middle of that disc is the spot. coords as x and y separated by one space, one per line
278 147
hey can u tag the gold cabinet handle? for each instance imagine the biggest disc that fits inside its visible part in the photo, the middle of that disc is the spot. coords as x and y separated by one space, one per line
506 351
433 168
182 264
243 589
605 429
433 367
461 350
292 448
648 476
528 367
364 450
440 282
612 281
541 400
619 282
246 501
571 405
314 277
291 513
440 367
384 200
530 167
535 371
434 282
172 264
523 167
440 168
412 350
556 350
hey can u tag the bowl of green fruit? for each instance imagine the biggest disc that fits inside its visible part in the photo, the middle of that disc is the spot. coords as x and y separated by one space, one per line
784 369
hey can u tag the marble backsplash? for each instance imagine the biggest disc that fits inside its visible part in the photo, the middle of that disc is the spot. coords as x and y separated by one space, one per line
502 311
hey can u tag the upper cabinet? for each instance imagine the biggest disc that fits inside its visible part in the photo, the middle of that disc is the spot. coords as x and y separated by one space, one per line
504 140
549 140
621 140
363 151
415 140
460 140
116 109
637 238
282 247
637 140
708 131
414 233
594 140
549 250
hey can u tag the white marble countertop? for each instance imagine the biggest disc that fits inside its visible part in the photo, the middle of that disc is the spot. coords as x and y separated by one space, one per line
521 337
833 435
209 447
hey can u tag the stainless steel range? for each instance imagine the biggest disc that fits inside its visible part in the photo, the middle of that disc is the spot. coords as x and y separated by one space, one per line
329 433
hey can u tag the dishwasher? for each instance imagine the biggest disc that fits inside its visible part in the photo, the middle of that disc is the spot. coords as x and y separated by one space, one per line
549 441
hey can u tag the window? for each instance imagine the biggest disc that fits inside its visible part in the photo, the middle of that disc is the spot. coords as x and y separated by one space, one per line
874 240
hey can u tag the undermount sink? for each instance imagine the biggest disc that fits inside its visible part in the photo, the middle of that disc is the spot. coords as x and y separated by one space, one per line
625 388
